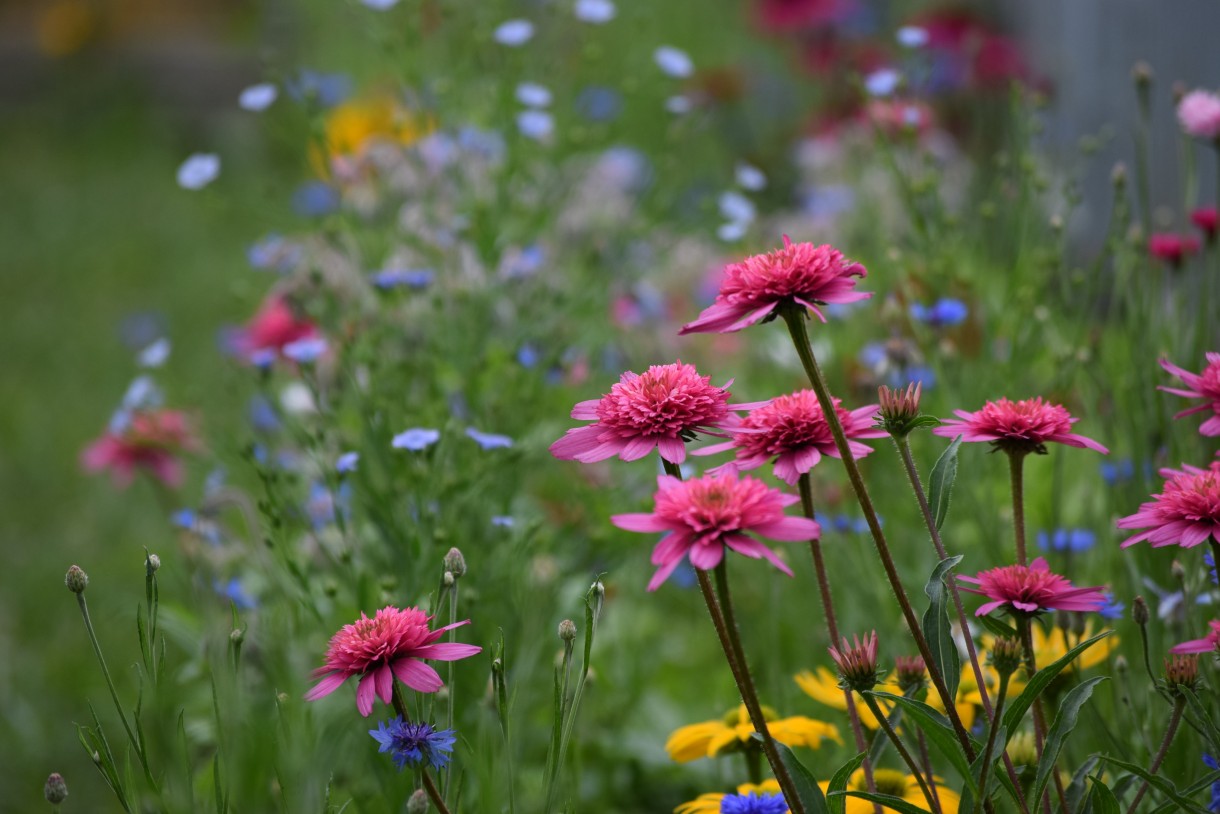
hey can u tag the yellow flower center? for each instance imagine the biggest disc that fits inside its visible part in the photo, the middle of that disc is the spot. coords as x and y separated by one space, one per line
888 781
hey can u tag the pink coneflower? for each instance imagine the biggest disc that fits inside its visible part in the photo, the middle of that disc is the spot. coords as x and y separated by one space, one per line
1031 589
1205 385
1186 513
393 643
273 326
1018 426
150 441
794 432
800 274
1171 248
1207 644
857 662
705 515
784 15
660 409
1199 114
1207 218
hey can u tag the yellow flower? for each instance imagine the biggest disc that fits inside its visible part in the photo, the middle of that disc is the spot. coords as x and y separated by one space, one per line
969 700
733 731
897 784
352 125
823 687
1050 647
710 803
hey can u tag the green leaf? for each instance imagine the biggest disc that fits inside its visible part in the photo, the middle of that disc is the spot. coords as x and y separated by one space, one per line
1204 721
1021 704
1101 799
1191 790
923 421
807 789
940 484
936 627
1076 789
838 782
887 800
938 731
1065 722
1160 784
997 627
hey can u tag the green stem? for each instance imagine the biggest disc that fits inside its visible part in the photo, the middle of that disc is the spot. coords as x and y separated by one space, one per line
1025 627
902 751
991 734
795 317
434 793
1176 718
453 600
1016 461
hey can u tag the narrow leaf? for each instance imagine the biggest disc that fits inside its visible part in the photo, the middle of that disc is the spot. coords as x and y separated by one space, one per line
998 627
1191 790
1065 722
889 801
1076 789
1205 722
936 627
1021 704
807 789
838 782
1101 799
940 484
938 731
1160 784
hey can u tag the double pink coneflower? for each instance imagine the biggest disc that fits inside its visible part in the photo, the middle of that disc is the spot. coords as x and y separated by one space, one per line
152 441
1185 513
1204 385
1027 590
1018 426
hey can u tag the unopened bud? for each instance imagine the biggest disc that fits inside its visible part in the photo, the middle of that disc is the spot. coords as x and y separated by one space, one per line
899 409
76 579
237 635
1118 175
1121 665
1178 570
1078 624
567 630
912 673
455 563
1005 655
1179 90
418 804
447 579
1182 670
1139 611
96 758
152 564
56 790
1141 74
857 663
599 590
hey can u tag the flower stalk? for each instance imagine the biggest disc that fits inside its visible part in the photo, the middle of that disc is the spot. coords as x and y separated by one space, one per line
1016 465
434 793
875 708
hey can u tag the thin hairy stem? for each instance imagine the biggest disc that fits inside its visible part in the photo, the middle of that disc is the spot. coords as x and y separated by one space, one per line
1025 627
1175 718
902 751
1016 461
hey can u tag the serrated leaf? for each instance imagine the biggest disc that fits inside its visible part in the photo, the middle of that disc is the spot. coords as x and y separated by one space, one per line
1021 704
939 732
936 628
1101 799
940 483
838 782
1160 784
1065 722
807 789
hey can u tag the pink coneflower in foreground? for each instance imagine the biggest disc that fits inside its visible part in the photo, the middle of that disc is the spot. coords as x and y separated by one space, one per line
150 441
1207 219
393 643
1186 513
1018 426
1207 644
1171 248
857 662
799 274
794 432
1199 114
705 515
1205 385
1030 589
661 409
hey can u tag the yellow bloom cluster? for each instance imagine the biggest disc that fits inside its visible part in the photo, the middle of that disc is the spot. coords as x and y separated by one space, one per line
733 731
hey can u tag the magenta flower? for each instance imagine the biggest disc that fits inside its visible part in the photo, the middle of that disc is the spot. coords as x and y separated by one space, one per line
794 432
149 441
857 662
1031 589
799 273
393 643
660 409
705 515
1186 513
1207 644
1018 426
1205 385
1199 115
1172 248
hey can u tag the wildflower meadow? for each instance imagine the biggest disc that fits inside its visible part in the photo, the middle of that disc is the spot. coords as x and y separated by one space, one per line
529 407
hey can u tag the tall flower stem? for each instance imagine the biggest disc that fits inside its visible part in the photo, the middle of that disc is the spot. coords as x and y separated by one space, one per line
434 793
796 327
933 801
725 623
1025 628
1174 720
1016 465
832 625
991 734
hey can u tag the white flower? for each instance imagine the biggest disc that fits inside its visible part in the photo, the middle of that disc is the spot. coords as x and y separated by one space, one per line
731 232
296 399
514 33
199 170
673 62
595 11
258 97
531 94
882 82
912 36
678 105
536 124
750 177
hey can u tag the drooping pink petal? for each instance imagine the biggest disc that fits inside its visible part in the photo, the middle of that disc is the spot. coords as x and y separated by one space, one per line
417 675
365 691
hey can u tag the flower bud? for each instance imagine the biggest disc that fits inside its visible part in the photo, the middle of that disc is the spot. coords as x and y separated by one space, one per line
418 804
1118 175
237 635
56 789
455 563
1178 570
1141 74
447 579
857 662
899 409
152 564
1139 611
912 673
567 630
1005 655
1182 670
76 580
1121 665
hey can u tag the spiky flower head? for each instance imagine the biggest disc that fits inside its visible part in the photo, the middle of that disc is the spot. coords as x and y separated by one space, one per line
567 630
55 789
1027 590
857 662
1005 655
1139 611
1185 513
413 744
76 579
1018 427
418 802
1199 115
899 415
911 672
753 803
1182 672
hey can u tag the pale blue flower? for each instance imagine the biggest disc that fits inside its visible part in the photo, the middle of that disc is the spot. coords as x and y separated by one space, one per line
380 5
199 170
536 124
944 312
514 33
750 177
882 82
416 439
275 253
258 97
155 354
599 104
325 89
503 521
315 199
912 36
347 462
678 105
594 11
736 207
305 351
398 277
732 231
488 440
673 62
531 94
235 593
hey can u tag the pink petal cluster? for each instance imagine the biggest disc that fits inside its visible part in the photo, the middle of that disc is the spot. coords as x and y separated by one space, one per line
794 432
1172 248
704 516
857 662
1031 589
273 326
151 441
799 273
1204 385
1019 426
1199 114
660 409
393 643
1186 513
1207 219
1208 644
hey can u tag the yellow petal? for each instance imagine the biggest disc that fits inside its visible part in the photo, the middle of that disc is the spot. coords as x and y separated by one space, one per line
689 743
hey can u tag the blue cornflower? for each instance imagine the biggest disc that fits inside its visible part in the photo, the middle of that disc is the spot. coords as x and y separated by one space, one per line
1112 609
753 803
305 351
262 414
1073 540
504 521
155 354
416 439
944 312
1116 472
412 744
488 440
323 502
315 199
409 278
599 104
514 33
235 593
1211 564
1211 763
527 356
536 124
347 462
274 253
184 519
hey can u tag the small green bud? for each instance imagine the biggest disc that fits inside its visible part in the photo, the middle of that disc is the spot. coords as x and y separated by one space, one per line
237 635
1139 611
56 790
1005 655
455 563
567 630
76 580
418 804
447 579
1118 175
1141 74
152 564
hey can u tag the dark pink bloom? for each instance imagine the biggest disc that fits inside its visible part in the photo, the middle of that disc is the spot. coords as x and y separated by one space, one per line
1186 513
151 441
800 273
705 515
660 409
273 326
1030 589
1207 644
783 15
1019 426
1172 248
1205 385
393 643
1207 218
857 662
794 432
